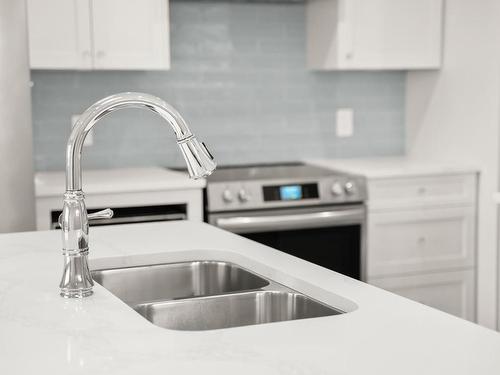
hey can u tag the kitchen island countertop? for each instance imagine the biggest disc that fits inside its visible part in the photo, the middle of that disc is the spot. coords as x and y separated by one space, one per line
43 333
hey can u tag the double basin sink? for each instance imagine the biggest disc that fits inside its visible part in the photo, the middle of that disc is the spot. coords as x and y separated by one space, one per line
205 295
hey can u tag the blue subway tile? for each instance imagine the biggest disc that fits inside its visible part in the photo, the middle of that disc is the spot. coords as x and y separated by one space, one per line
239 77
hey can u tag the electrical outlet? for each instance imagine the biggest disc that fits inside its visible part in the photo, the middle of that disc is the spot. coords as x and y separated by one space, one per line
89 139
344 122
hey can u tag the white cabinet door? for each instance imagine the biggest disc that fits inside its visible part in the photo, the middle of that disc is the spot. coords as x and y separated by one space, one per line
59 34
451 292
132 34
420 240
374 34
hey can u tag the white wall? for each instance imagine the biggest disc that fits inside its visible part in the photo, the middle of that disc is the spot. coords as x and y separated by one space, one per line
17 210
453 116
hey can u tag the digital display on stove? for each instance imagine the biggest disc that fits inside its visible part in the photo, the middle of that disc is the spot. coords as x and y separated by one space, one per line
290 193
294 192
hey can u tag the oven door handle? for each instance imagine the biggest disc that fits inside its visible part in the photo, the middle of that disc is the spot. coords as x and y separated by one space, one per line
268 223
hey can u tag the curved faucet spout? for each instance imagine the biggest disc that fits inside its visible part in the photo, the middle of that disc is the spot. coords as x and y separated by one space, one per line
199 160
76 281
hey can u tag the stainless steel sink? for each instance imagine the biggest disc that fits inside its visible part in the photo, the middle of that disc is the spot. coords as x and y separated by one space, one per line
204 295
170 281
240 309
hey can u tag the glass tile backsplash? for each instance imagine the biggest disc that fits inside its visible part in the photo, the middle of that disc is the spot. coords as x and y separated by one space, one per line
240 79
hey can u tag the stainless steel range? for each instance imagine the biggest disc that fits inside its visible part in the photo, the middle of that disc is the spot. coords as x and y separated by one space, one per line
313 213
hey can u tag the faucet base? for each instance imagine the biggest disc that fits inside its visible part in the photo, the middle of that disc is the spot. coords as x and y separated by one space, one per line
76 281
76 293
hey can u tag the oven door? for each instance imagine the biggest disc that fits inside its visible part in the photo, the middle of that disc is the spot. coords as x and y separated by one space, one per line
330 236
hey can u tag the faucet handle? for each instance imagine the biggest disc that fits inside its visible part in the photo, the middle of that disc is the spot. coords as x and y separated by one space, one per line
103 214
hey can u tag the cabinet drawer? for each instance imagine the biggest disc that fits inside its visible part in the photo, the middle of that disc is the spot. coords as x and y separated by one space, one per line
422 191
451 292
409 241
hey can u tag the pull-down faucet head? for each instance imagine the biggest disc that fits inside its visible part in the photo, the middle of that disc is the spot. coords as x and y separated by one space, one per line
199 160
76 280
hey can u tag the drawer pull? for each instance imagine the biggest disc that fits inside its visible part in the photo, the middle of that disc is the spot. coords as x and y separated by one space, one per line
421 241
421 190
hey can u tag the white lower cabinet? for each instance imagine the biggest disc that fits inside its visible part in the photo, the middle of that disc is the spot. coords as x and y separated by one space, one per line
421 239
451 292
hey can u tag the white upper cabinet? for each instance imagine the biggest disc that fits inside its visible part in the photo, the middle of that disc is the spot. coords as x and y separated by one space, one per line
374 34
99 34
59 34
131 34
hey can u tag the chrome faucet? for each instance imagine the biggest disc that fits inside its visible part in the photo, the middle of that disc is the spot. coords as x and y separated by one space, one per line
74 221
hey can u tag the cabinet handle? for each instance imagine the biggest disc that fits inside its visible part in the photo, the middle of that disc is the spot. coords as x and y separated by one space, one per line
345 27
86 54
421 241
100 54
421 190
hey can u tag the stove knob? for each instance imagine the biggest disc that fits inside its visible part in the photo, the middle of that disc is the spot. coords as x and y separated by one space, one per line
350 188
243 196
337 189
227 196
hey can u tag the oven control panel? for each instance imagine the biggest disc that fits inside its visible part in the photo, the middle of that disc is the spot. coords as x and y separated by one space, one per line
290 192
242 195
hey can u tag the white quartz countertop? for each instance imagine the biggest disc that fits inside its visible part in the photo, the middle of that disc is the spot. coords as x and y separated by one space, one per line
42 333
388 167
121 180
